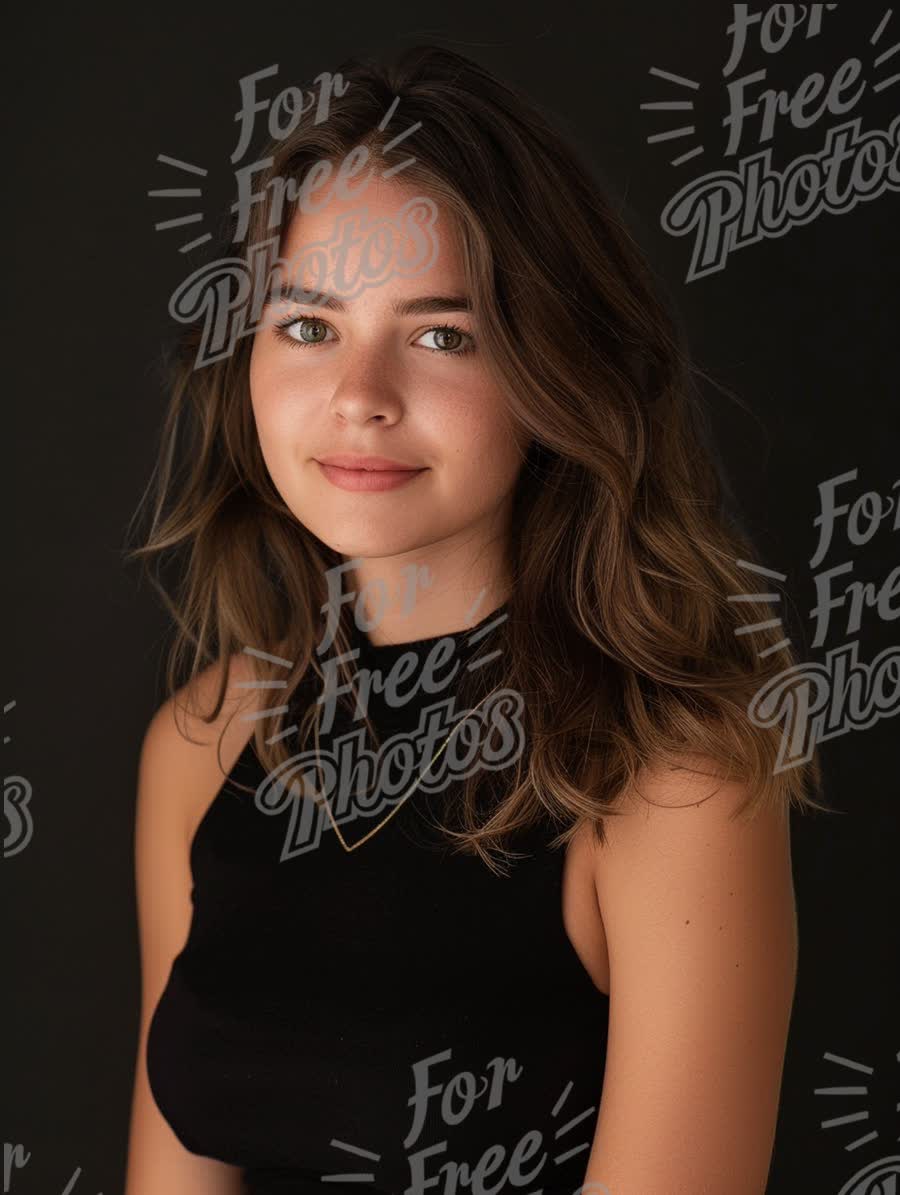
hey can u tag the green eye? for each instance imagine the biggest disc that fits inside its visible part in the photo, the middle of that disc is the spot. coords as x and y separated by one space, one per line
302 331
442 335
307 331
311 331
456 336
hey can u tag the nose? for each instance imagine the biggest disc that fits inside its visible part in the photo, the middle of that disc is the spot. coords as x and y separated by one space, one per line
367 390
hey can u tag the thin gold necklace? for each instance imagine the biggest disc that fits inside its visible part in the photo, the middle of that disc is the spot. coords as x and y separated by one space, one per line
321 797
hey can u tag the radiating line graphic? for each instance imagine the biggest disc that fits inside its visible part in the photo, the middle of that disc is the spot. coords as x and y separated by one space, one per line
883 84
674 106
770 623
849 1118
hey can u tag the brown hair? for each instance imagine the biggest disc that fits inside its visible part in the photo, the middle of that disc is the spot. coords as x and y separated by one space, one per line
621 636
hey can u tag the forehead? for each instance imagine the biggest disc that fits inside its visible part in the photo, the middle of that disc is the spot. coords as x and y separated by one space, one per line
377 229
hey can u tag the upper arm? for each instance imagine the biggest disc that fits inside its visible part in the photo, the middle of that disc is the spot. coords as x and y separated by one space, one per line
172 774
700 919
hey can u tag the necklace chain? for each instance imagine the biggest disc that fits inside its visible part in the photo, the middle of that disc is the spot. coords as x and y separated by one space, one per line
321 797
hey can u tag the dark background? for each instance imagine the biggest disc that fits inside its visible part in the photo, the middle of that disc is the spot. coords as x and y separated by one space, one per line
803 327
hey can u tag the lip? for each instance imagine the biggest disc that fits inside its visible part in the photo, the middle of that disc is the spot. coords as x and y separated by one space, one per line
348 460
379 473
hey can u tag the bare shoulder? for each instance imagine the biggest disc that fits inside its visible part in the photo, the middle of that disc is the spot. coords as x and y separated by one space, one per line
700 922
184 714
691 780
184 756
686 827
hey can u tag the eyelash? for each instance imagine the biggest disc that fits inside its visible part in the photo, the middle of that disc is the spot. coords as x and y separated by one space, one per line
282 334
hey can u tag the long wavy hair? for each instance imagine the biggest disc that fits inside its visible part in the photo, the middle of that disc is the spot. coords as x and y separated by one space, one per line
623 635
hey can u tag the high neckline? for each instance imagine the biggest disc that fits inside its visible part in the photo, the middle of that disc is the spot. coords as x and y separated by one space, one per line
385 651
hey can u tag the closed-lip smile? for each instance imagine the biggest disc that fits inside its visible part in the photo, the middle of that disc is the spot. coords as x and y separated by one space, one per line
367 474
345 460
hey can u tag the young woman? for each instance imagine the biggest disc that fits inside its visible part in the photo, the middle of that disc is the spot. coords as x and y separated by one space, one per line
463 866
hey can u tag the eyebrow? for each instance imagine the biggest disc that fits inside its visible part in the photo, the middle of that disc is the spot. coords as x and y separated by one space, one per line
425 305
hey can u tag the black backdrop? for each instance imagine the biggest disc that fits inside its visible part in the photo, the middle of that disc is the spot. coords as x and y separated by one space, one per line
802 325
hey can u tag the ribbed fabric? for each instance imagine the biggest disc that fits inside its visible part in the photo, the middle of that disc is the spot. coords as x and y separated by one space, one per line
318 994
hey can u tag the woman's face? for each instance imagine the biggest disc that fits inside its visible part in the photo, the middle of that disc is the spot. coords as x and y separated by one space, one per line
372 380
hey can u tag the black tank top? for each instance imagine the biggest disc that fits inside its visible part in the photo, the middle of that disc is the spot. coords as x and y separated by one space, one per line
395 1018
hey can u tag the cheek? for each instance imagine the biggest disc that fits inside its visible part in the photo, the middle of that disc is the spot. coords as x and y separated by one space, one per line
260 388
273 422
479 446
274 410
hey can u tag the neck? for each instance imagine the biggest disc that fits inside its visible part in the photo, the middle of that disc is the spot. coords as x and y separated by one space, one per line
420 595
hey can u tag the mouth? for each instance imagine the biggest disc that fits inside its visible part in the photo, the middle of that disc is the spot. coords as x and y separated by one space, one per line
368 474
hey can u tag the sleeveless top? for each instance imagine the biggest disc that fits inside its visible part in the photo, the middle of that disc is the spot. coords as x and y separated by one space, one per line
395 1016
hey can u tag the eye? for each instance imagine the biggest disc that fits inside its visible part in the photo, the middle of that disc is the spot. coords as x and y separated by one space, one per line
450 332
310 331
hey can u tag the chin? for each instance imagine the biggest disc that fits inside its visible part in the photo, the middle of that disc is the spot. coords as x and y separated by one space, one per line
368 542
